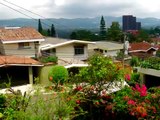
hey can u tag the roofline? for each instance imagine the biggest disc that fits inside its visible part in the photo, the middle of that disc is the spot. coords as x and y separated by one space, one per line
76 65
143 50
21 65
110 49
18 41
64 43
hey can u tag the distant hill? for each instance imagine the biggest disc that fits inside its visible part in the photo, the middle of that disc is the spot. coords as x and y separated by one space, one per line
66 26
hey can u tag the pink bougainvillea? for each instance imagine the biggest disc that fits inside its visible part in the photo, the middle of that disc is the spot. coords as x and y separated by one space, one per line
131 102
141 89
128 77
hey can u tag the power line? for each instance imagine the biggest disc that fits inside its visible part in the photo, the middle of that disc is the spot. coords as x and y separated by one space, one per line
32 12
23 13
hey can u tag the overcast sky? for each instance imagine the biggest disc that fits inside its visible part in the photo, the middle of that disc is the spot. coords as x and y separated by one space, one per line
81 8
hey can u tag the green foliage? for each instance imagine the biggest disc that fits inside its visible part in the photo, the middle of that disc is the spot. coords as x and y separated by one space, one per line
100 71
103 33
40 29
134 61
140 37
53 32
84 35
58 75
120 55
152 63
114 33
49 59
158 53
15 103
2 102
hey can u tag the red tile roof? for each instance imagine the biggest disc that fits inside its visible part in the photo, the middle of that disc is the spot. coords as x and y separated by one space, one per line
16 60
141 46
23 33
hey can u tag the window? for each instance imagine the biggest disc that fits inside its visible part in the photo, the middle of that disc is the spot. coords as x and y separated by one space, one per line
50 52
78 50
24 45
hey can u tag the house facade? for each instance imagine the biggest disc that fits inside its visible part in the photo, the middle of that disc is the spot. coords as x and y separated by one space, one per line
106 48
65 49
20 41
142 49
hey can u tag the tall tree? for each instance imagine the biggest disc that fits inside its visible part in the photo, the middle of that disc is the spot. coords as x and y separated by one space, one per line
53 32
48 32
114 33
103 34
40 29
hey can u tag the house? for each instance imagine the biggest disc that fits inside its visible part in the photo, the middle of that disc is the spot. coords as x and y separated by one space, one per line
18 69
17 46
156 40
69 51
106 48
142 49
20 41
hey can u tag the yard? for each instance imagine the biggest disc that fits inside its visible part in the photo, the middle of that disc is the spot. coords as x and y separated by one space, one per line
88 101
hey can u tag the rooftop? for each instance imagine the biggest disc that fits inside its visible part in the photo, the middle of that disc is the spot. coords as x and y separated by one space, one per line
141 46
106 45
18 61
19 33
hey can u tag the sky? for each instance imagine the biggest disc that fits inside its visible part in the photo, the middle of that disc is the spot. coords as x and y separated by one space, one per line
80 8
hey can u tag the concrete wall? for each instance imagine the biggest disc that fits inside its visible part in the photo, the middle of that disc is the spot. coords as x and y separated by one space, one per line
111 53
43 74
13 49
67 51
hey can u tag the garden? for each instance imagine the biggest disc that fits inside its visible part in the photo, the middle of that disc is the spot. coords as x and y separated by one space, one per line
97 92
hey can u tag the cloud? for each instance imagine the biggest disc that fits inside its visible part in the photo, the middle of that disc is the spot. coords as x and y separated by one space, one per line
86 8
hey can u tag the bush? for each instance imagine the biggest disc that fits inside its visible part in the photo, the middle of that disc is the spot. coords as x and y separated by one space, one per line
58 75
49 59
134 61
2 102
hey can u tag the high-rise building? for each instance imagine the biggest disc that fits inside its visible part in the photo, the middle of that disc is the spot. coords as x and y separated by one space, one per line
129 23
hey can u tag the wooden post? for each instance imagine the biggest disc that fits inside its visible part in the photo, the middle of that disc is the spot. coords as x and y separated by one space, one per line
30 71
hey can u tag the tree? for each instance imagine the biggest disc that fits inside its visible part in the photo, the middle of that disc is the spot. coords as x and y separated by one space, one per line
73 35
83 35
102 33
40 29
53 32
114 33
48 32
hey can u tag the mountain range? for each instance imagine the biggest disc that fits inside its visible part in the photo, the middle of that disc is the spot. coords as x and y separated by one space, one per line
65 26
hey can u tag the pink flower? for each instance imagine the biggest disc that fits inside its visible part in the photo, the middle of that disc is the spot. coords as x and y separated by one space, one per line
142 90
131 102
128 77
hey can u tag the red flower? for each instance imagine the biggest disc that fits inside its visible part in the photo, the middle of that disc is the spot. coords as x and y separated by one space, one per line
109 107
131 102
142 90
50 78
78 88
128 77
78 101
126 98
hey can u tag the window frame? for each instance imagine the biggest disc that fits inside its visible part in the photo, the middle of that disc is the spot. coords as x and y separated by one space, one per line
79 50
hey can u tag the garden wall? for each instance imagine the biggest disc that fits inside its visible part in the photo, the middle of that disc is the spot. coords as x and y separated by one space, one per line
43 74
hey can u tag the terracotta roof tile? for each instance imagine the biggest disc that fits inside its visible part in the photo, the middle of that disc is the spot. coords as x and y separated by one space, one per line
23 33
142 46
8 60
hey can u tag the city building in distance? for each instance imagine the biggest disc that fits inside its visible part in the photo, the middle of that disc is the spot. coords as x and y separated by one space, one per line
129 23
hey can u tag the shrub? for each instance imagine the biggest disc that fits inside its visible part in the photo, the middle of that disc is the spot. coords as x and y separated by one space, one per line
152 63
49 59
58 75
134 61
2 102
